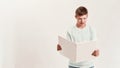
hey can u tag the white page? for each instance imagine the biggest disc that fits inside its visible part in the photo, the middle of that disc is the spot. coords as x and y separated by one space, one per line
68 48
85 50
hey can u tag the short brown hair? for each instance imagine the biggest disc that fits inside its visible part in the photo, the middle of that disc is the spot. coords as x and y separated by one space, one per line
81 11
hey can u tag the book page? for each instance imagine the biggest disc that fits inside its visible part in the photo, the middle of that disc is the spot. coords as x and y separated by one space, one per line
68 48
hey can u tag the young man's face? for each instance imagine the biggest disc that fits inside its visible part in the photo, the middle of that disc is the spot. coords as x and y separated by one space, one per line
81 19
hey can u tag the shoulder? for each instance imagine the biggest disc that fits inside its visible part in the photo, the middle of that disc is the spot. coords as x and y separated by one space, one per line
70 29
91 28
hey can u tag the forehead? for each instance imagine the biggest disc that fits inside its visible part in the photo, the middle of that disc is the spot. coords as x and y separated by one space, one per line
83 16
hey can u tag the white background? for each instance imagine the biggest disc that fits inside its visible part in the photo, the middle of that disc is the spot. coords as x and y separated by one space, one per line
29 30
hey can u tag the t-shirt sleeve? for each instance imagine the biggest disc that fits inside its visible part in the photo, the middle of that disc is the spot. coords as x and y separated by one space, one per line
68 36
94 35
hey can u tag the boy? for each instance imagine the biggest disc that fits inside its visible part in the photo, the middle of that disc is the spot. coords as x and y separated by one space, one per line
79 33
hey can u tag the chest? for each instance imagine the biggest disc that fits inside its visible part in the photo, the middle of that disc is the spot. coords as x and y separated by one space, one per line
81 35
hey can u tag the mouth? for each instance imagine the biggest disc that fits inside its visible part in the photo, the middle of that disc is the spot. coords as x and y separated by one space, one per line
81 23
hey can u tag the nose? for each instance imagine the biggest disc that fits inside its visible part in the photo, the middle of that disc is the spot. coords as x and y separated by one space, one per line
82 20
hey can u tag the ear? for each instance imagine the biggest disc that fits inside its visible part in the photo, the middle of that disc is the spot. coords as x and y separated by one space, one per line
75 16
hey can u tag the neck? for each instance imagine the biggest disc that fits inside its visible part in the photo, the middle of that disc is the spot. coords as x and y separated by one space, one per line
81 26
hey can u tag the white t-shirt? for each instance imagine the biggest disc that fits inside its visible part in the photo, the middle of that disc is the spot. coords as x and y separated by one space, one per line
77 35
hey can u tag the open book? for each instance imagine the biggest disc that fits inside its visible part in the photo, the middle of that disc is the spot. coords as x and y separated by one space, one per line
77 52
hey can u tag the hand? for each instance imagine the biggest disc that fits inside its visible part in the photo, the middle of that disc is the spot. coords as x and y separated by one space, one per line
95 53
59 47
